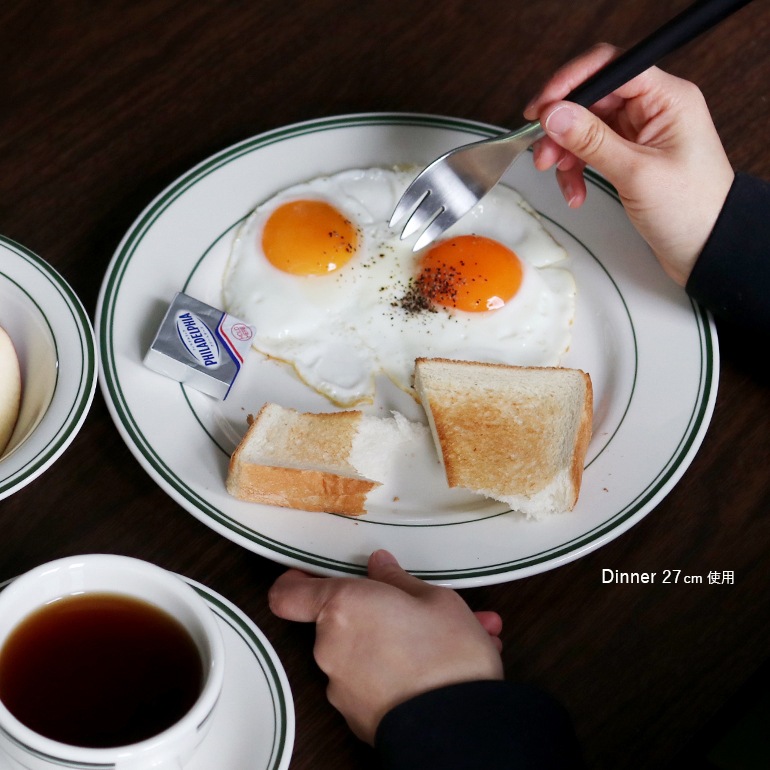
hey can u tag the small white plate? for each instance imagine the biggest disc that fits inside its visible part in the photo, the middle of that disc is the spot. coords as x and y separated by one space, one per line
253 727
55 343
651 353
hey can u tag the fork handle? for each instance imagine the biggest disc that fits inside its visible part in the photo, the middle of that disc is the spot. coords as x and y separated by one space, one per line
697 18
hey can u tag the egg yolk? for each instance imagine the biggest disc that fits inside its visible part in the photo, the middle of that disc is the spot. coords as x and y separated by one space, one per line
470 272
308 237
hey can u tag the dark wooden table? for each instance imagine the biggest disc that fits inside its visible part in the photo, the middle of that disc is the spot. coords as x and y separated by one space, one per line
104 103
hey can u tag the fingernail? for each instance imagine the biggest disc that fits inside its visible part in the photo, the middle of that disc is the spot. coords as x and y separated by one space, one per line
383 558
568 191
560 120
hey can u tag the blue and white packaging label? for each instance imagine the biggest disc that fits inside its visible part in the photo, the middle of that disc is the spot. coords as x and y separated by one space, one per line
200 346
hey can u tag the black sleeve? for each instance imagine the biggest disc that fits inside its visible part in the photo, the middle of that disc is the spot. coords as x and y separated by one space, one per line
732 275
486 724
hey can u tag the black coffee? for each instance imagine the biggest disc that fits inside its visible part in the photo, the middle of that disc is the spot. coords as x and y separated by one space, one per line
99 670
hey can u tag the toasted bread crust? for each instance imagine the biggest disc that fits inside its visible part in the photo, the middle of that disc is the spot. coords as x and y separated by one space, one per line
506 431
300 488
299 460
582 438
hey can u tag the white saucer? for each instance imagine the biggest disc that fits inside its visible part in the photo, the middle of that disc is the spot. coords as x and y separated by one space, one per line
253 727
56 347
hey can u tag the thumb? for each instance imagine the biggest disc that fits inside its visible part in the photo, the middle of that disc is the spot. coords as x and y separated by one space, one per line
298 596
384 568
586 136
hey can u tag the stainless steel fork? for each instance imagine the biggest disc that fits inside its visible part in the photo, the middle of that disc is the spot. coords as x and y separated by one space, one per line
452 184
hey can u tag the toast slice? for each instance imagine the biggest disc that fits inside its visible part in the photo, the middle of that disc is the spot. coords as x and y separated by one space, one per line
315 462
515 434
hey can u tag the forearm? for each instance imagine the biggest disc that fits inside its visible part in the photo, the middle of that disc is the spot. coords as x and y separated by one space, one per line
479 724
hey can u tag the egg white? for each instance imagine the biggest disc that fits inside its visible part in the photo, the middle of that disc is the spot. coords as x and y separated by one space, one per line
341 329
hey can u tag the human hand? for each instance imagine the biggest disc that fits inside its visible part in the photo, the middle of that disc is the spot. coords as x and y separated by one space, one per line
388 638
654 141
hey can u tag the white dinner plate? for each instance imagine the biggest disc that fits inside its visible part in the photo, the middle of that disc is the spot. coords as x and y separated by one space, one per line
253 726
56 347
651 352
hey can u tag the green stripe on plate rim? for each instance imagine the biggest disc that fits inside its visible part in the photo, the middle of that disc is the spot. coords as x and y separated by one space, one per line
230 615
171 193
264 659
475 518
87 372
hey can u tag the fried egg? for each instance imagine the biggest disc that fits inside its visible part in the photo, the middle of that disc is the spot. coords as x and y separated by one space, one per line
332 290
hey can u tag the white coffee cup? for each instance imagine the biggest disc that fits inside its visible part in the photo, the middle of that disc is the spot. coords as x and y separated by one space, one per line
133 578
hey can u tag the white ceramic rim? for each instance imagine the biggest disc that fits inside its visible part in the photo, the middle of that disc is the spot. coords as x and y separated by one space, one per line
666 355
75 344
56 752
281 701
257 685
